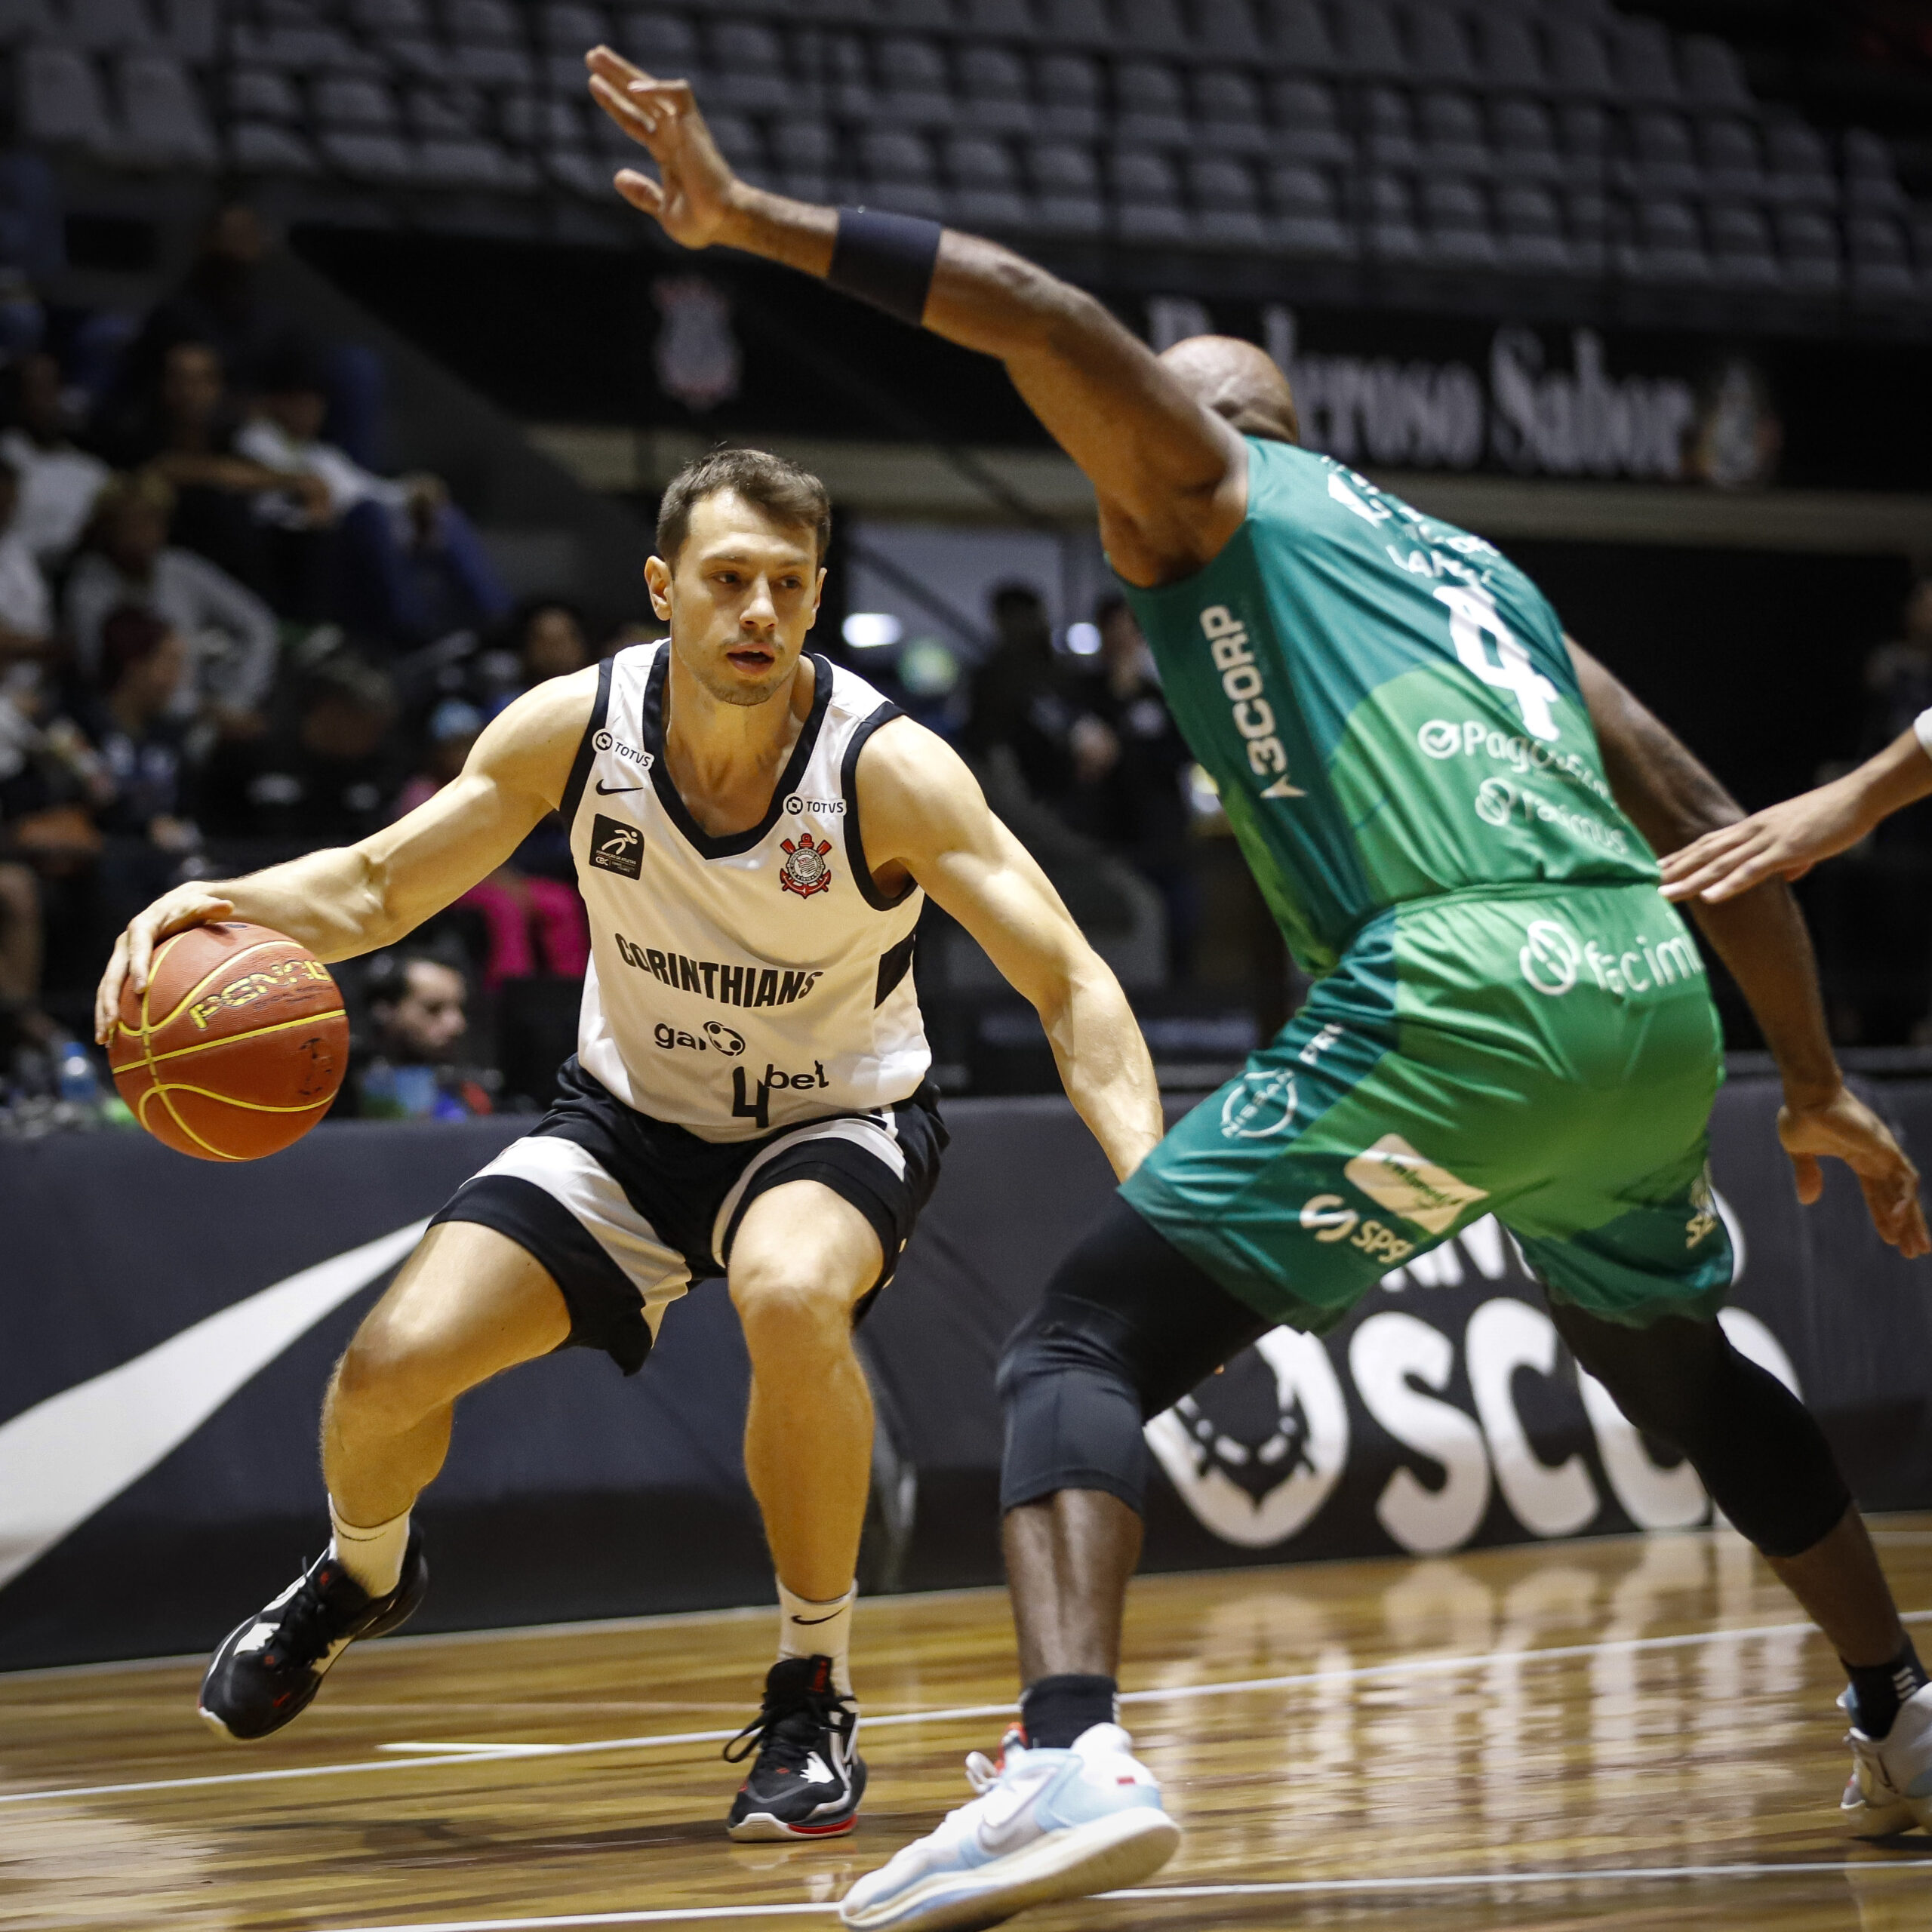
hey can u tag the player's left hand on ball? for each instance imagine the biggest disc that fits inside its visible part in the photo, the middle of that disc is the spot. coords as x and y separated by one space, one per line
693 198
191 905
1843 1128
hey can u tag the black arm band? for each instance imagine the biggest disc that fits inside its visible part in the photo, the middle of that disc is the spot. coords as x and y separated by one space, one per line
886 260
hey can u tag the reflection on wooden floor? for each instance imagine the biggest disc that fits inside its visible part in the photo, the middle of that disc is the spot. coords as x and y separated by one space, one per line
1611 1734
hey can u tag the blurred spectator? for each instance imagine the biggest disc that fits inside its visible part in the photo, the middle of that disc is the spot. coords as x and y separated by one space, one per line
230 631
418 1011
26 614
1020 700
408 565
451 730
186 430
324 777
1898 676
20 938
58 482
547 639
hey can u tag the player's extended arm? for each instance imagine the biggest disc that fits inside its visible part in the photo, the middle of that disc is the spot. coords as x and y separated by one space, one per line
1785 841
1171 475
353 899
920 807
1761 937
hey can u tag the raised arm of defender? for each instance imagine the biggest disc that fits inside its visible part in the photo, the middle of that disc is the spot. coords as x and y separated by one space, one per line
353 899
1171 475
923 810
1761 938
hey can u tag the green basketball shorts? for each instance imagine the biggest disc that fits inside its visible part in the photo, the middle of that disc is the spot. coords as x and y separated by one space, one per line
1545 1055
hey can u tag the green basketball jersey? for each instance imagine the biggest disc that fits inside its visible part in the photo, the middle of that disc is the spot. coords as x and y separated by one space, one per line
1387 705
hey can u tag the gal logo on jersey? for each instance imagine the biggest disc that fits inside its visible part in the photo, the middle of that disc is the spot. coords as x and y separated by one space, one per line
805 871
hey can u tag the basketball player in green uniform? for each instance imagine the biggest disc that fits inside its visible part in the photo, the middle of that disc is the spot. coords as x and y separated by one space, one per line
1452 813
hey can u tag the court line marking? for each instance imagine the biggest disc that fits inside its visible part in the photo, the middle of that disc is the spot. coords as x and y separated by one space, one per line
1159 1894
447 1755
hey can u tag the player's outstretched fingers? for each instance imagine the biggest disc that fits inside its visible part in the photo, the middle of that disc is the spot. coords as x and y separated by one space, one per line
107 995
1807 1177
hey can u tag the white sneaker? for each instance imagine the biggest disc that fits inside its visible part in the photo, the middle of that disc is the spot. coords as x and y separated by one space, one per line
1047 1824
1890 1788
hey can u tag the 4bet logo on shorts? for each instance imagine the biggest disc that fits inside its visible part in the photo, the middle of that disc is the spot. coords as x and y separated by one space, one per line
616 846
805 871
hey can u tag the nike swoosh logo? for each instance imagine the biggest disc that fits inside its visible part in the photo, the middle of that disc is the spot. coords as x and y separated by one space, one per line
807 1623
604 791
65 1458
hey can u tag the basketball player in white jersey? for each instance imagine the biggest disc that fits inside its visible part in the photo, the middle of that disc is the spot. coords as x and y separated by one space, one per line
754 831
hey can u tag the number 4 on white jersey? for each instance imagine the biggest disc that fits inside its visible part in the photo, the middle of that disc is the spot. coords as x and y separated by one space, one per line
1471 615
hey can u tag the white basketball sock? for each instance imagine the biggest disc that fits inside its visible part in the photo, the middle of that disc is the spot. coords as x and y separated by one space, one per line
809 1630
373 1556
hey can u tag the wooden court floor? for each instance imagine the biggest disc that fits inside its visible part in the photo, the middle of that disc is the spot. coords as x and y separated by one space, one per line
1615 1734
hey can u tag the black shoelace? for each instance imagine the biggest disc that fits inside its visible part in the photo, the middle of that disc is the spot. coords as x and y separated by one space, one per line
785 1733
307 1626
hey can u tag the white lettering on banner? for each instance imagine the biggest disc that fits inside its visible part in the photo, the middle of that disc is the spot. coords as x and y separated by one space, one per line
1504 1336
1387 1355
1552 958
1394 1176
1472 618
1309 1446
1241 685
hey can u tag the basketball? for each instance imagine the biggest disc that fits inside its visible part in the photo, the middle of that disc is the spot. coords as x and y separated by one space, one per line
238 1046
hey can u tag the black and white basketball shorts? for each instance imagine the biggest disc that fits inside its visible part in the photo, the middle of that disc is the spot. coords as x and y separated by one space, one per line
625 1212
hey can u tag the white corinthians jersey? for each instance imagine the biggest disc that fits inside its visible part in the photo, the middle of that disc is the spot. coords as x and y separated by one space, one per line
741 984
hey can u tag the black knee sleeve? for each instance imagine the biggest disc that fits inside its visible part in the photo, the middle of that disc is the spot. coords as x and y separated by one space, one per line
1763 1459
1128 1326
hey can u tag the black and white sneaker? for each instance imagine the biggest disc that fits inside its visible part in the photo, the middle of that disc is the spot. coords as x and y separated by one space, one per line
268 1669
808 1779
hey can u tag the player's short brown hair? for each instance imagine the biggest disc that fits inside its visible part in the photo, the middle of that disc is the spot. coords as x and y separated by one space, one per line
786 493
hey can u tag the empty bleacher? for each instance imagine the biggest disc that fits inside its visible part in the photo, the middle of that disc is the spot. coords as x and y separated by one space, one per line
1559 140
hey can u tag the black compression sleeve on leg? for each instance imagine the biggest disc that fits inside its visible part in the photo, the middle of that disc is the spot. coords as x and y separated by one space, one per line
1763 1459
1128 1326
886 260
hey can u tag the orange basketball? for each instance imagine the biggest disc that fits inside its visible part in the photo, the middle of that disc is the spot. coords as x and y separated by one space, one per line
238 1046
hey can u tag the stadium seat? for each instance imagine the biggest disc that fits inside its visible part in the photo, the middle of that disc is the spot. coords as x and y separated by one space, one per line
1808 247
1733 164
253 94
739 142
60 104
1713 79
1669 246
260 147
1002 19
1452 137
1389 223
1456 224
486 44
1077 23
1662 160
665 44
923 16
1642 65
1508 56
1306 219
364 155
1584 129
1307 127
569 32
391 19
1742 256
1871 173
987 192
25 19
805 152
1530 231
349 102
1367 41
1525 142
1227 210
1150 109
300 49
1147 206
106 26
1227 112
1299 35
1438 48
913 83
848 77
1587 222
1152 26
579 171
1577 65
896 172
1800 173
1881 263
993 95
1389 136
542 121
1066 187
745 67
1069 95
1226 31
163 122
436 112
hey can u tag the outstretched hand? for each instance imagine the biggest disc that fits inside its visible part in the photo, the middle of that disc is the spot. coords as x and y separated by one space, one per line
1843 1128
692 198
1782 841
191 905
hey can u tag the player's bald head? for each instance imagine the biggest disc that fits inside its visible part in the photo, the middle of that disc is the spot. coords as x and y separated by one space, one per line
1237 380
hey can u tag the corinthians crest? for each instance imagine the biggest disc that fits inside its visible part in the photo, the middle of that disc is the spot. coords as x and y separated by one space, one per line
805 871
